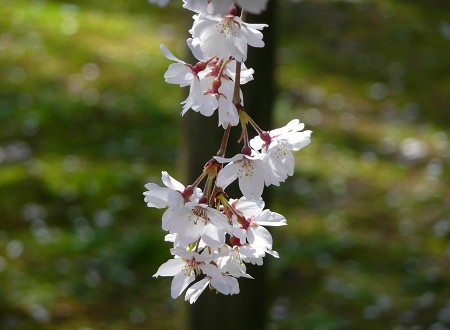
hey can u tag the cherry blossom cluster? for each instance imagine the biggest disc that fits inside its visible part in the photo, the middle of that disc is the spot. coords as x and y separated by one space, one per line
215 236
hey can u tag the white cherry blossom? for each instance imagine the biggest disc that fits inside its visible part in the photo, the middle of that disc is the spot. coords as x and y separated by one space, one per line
184 268
291 136
206 92
252 172
213 98
246 73
172 195
279 143
180 72
220 279
184 74
214 238
225 37
259 239
196 220
218 7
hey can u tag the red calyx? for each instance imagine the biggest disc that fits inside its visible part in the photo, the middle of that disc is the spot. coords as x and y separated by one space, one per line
265 136
246 151
200 66
232 11
216 85
187 193
235 241
242 221
203 200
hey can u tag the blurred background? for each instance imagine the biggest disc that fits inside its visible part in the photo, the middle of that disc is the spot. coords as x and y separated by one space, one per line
86 120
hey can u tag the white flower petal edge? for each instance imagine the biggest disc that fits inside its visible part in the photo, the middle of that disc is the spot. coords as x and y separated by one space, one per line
196 289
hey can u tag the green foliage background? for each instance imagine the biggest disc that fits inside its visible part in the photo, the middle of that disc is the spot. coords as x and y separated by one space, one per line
86 121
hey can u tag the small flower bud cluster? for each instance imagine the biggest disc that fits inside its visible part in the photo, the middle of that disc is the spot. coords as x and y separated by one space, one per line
215 236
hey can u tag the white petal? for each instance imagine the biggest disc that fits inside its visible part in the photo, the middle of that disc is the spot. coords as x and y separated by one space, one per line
251 182
227 175
174 199
229 160
225 284
273 253
196 50
186 229
196 289
262 238
269 218
250 207
156 196
303 140
213 236
168 54
256 143
228 114
179 74
294 124
171 182
218 219
167 218
180 282
170 238
170 268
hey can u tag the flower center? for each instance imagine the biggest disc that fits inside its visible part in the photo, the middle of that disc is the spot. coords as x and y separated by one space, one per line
189 267
280 150
199 213
247 168
227 26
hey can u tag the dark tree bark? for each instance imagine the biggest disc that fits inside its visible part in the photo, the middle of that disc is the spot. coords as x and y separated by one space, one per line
201 140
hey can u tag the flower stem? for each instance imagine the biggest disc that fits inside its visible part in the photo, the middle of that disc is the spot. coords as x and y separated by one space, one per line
255 126
223 145
243 15
237 84
200 178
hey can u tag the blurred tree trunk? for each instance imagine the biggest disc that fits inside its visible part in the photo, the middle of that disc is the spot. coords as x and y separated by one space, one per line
201 140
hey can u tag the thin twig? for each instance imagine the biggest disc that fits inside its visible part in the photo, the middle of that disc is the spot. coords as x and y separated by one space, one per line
237 85
223 145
